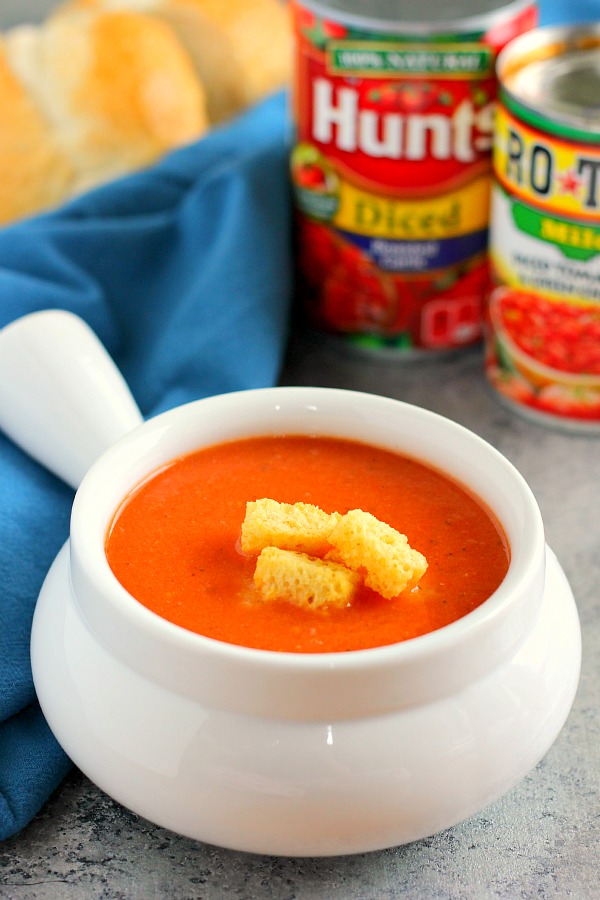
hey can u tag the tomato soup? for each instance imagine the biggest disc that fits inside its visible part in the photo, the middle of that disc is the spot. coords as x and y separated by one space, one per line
174 543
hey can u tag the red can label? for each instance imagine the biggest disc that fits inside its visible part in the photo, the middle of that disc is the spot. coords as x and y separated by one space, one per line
391 178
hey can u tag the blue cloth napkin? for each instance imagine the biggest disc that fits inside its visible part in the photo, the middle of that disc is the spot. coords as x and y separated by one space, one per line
184 272
563 12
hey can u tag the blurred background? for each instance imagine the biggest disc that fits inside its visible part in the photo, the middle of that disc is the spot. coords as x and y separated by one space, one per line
15 11
12 12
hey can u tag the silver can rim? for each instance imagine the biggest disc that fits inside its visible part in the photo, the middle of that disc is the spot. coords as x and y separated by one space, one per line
461 24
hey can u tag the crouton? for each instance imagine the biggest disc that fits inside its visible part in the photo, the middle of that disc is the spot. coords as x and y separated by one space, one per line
303 580
300 527
369 546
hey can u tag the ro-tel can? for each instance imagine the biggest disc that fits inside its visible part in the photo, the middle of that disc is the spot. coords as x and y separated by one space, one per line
543 332
391 166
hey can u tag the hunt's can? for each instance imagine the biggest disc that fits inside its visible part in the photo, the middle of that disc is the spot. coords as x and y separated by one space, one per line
543 328
391 166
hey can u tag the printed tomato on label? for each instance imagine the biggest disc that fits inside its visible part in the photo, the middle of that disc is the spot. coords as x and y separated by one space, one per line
408 96
370 303
558 334
356 295
318 251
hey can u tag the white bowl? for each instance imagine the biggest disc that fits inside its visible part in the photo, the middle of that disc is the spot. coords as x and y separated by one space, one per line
316 754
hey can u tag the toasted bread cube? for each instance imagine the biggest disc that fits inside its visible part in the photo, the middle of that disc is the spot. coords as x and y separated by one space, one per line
300 526
365 544
303 580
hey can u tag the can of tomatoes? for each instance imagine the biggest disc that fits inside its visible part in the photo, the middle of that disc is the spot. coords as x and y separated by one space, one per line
543 321
391 167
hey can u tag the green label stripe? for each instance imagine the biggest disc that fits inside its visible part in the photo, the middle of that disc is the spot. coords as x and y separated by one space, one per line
345 58
580 242
586 134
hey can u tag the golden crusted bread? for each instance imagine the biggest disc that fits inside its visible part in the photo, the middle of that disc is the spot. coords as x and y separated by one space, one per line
34 172
117 90
104 87
241 49
313 558
365 544
299 526
303 580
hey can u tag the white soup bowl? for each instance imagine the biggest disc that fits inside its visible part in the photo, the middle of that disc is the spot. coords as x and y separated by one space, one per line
281 753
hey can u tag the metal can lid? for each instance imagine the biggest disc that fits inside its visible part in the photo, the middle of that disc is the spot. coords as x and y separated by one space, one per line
419 18
556 72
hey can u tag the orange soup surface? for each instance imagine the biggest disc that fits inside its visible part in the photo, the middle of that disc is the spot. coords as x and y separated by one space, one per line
174 543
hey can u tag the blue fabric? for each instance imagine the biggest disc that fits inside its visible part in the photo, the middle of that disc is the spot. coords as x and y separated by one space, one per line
184 273
559 12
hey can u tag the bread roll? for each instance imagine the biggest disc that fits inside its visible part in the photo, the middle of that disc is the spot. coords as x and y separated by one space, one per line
34 172
105 87
241 49
116 90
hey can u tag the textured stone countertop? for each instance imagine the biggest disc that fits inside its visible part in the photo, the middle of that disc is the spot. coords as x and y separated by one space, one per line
540 840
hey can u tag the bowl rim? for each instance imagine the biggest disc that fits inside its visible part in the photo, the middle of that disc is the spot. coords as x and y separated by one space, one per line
95 479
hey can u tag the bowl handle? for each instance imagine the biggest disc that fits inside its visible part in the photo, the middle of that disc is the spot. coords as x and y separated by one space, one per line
62 398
